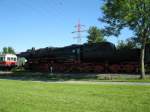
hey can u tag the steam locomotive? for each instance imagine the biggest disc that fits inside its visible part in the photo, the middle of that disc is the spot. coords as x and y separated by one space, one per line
97 57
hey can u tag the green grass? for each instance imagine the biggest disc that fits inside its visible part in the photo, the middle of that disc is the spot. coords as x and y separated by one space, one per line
27 96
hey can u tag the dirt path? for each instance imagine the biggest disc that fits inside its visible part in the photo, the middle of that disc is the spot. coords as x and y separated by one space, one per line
99 83
109 83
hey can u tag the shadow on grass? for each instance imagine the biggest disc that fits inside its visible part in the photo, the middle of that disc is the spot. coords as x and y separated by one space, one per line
54 77
38 76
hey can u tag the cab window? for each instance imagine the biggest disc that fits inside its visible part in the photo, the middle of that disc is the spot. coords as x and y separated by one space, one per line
15 59
12 59
8 58
1 59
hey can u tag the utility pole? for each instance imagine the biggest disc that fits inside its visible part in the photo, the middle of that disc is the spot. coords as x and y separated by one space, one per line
79 31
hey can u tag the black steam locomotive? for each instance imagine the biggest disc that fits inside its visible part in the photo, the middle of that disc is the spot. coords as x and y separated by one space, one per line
97 57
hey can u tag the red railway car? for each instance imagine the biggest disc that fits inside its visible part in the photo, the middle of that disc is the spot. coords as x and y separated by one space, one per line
8 60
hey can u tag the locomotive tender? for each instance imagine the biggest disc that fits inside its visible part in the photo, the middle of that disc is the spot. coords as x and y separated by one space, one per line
97 57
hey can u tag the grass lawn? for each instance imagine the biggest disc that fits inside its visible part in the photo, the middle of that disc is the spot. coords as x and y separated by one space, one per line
27 96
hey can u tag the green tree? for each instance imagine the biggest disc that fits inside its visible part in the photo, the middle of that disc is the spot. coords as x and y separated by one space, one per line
95 35
8 50
5 50
127 44
134 14
121 45
11 50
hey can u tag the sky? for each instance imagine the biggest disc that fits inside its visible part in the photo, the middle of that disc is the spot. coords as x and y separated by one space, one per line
44 23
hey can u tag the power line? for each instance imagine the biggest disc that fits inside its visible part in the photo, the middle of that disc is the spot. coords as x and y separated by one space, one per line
79 30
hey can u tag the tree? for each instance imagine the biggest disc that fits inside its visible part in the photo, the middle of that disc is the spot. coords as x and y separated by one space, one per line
5 50
8 50
127 44
124 45
95 35
134 14
11 50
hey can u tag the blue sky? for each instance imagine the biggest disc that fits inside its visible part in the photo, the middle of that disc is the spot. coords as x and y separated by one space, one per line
42 23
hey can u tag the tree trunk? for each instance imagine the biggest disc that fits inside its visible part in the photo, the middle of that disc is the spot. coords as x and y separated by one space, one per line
142 61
